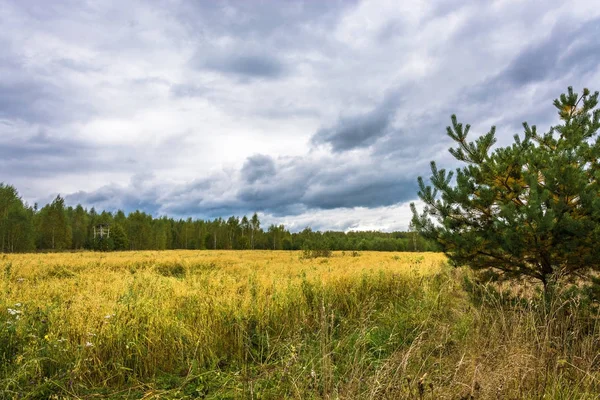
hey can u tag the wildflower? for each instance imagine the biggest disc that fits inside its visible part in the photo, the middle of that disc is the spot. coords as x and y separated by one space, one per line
18 305
89 344
109 316
20 280
91 334
12 311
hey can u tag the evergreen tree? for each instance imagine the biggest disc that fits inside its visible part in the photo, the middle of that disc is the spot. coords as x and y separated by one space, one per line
233 225
119 237
16 222
80 227
244 225
140 232
528 210
54 228
254 227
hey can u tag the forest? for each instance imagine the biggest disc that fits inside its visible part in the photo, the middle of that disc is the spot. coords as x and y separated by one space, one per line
59 227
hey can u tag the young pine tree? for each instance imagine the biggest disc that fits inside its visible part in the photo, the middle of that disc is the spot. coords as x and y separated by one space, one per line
528 210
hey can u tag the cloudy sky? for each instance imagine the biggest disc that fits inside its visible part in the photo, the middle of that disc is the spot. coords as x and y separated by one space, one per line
313 113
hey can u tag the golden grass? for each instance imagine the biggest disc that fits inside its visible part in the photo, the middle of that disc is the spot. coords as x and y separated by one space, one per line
271 325
92 285
117 318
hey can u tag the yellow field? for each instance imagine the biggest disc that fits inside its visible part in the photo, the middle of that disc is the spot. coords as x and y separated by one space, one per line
115 318
93 284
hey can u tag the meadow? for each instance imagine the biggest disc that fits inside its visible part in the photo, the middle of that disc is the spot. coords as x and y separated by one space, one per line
275 324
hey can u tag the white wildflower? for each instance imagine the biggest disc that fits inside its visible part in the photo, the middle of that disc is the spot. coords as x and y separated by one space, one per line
12 311
89 344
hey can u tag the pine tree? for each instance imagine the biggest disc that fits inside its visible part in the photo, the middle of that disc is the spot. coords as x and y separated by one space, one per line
119 237
80 227
531 209
16 227
55 229
254 227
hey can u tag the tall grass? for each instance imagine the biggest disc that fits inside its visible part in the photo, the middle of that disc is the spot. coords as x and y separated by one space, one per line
270 325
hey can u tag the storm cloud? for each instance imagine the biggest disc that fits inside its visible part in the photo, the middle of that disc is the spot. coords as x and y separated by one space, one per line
355 131
245 65
567 49
258 167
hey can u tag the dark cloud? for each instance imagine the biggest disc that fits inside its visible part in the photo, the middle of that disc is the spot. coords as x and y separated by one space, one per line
258 167
422 137
38 145
269 19
356 131
263 32
31 101
249 65
568 52
285 187
260 36
42 154
568 49
286 111
280 197
365 193
35 95
302 184
113 197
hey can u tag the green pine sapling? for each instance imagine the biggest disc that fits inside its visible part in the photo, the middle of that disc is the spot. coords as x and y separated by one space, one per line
531 209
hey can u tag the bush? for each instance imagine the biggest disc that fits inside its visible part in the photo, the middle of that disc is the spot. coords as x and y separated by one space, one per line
316 253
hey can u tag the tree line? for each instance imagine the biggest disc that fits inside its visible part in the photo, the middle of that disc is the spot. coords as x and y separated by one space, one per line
58 227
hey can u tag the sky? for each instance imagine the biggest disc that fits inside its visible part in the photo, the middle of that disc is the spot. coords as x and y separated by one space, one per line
311 113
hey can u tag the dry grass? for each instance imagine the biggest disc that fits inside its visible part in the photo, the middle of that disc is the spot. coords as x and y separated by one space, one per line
240 324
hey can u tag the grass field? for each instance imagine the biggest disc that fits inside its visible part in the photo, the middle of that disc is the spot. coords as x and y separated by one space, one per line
270 325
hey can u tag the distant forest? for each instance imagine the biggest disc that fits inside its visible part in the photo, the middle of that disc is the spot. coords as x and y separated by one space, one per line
57 227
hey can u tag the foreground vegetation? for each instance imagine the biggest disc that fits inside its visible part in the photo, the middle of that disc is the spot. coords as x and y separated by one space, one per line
270 325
